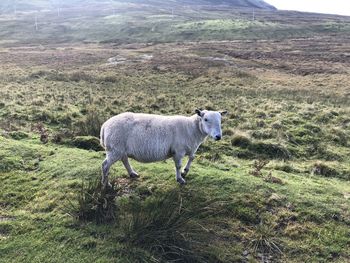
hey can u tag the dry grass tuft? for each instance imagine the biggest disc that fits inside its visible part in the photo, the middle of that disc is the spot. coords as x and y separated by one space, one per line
258 165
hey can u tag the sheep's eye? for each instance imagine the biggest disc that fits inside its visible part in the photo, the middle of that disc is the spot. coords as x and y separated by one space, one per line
205 119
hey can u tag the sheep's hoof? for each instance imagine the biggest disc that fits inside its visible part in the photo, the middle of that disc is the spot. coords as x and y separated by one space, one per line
106 185
184 173
181 181
134 175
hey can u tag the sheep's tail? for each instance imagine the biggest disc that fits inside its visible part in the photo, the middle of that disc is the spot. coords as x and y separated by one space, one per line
102 137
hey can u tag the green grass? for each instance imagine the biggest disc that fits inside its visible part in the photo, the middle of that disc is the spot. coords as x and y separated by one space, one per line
35 202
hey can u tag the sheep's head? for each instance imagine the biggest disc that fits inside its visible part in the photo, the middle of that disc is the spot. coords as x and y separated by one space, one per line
210 122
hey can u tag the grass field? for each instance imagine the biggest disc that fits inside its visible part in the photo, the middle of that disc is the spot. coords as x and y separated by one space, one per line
275 189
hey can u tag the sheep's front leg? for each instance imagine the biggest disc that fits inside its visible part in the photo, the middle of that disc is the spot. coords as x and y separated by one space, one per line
178 161
188 165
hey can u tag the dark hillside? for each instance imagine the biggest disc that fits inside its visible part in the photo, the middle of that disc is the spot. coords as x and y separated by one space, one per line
233 3
21 5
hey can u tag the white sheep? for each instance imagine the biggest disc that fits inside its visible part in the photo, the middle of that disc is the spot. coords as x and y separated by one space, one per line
150 138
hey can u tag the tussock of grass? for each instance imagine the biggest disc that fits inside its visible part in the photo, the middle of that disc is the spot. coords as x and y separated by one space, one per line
264 240
270 150
240 141
18 135
87 143
166 226
259 149
286 167
90 124
320 168
93 203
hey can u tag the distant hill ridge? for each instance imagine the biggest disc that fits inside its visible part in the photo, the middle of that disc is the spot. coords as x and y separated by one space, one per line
238 3
7 5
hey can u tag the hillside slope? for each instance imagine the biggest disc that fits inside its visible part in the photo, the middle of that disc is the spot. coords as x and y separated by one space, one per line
232 3
21 5
126 22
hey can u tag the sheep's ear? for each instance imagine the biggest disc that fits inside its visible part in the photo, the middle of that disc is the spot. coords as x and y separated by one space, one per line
223 113
199 112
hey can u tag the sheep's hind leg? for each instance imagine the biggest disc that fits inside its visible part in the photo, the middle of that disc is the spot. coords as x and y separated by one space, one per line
128 167
111 158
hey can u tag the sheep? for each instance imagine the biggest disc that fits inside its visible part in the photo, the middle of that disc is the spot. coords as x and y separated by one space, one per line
149 138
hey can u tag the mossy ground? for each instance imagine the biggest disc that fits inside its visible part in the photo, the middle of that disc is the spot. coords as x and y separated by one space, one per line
287 103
